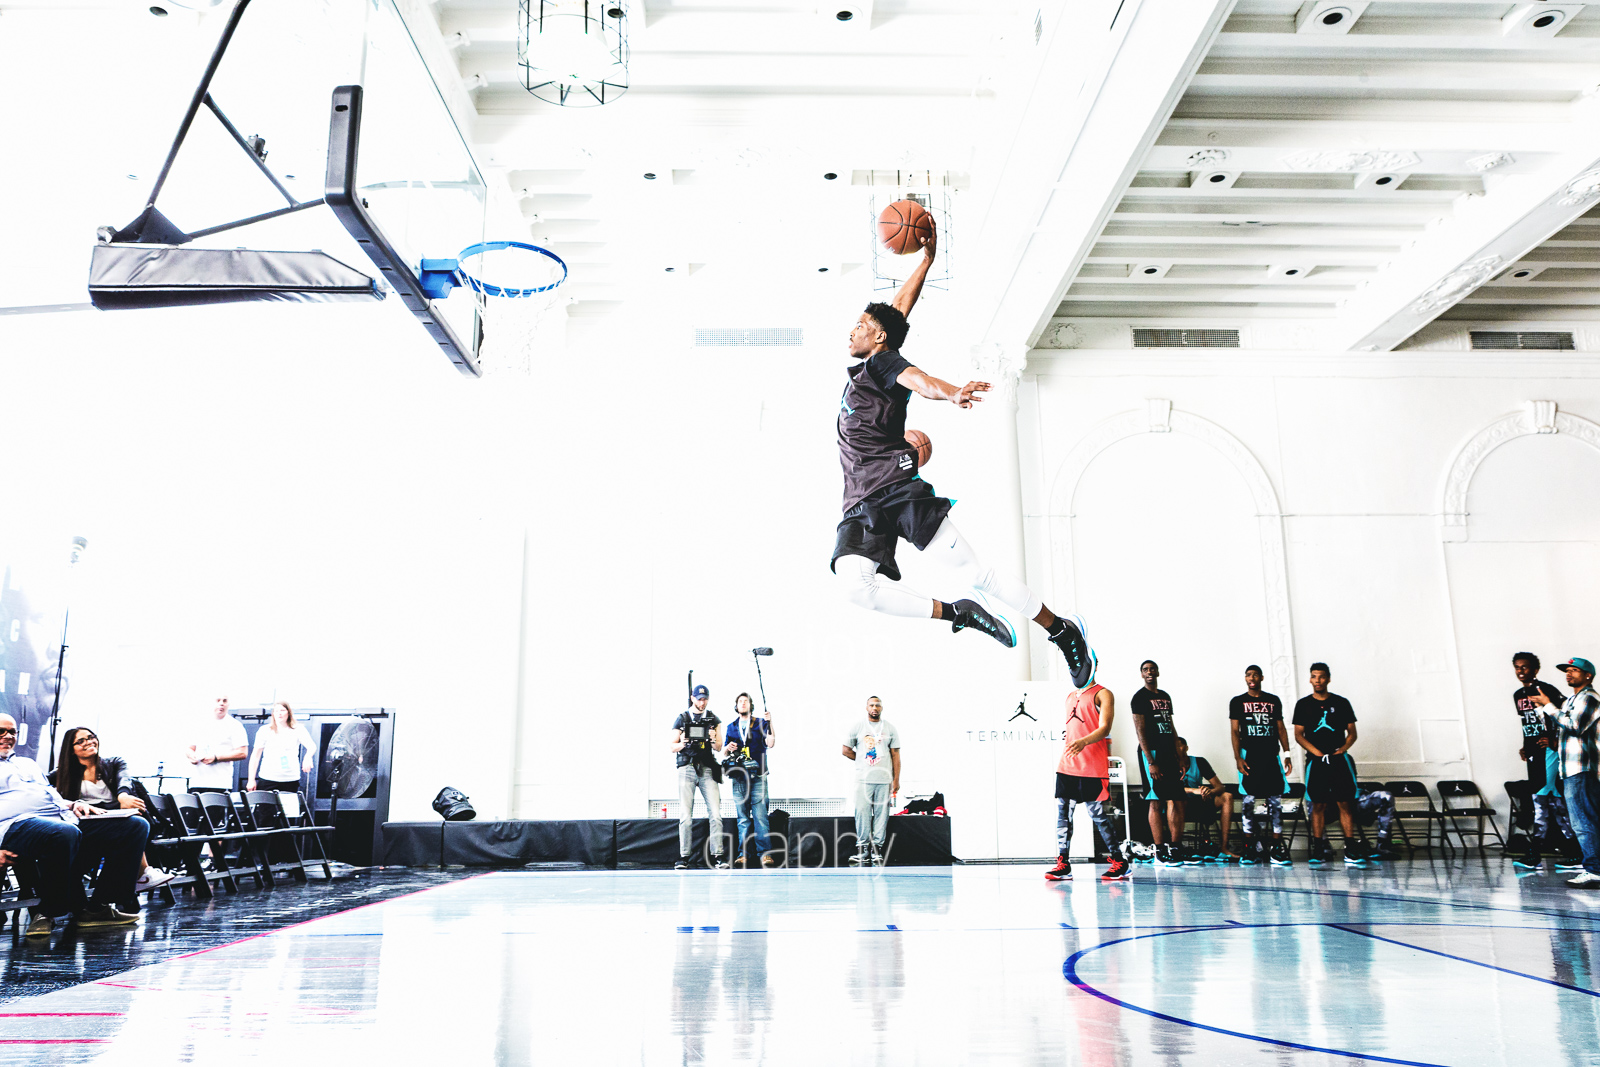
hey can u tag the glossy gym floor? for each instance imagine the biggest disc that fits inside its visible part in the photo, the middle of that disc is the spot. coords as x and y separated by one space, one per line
1414 962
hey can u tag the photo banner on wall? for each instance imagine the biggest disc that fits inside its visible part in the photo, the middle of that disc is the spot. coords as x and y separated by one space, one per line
30 644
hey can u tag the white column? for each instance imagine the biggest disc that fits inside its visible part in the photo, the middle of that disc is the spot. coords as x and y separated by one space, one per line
1000 527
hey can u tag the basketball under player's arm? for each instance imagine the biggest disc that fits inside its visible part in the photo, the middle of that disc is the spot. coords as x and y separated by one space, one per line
1108 711
1238 753
906 298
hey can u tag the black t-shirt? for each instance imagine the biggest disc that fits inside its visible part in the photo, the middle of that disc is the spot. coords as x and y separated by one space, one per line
872 427
1156 707
1258 717
1326 721
1534 723
709 720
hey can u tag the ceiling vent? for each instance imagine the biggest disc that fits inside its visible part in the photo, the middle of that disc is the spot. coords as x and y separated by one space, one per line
1538 20
1328 16
1289 271
1522 272
1149 271
736 337
1213 179
1540 342
847 14
1378 181
1143 338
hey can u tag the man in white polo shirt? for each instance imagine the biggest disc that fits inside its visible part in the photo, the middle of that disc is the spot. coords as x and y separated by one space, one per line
218 745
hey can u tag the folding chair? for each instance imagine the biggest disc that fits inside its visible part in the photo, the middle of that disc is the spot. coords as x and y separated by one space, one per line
1462 790
17 893
197 825
224 819
1519 820
1421 808
287 814
171 845
1294 811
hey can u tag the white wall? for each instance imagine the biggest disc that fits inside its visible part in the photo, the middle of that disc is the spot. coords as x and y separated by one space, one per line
1419 633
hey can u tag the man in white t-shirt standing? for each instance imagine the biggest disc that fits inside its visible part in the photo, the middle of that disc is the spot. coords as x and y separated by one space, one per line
875 746
217 746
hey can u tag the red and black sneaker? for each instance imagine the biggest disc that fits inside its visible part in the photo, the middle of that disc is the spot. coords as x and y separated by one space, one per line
1061 872
1117 872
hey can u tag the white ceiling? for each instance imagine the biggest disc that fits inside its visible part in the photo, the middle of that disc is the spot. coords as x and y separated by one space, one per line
1078 134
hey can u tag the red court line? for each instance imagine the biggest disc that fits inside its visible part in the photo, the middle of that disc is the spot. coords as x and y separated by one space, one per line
53 1040
53 1014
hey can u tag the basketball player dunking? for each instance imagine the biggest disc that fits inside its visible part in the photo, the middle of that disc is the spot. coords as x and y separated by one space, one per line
885 498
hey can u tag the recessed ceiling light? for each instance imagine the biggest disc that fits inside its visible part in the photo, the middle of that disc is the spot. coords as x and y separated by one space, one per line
671 269
822 270
649 175
1334 17
830 176
158 12
845 16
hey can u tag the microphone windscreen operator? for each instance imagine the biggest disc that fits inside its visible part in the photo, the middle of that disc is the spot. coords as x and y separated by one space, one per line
761 651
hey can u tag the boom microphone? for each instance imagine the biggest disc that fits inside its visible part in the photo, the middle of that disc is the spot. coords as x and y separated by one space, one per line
761 651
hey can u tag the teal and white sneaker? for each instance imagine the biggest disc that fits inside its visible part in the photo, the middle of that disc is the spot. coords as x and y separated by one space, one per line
973 615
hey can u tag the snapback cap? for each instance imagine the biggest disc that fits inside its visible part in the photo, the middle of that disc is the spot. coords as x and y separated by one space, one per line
1579 662
701 691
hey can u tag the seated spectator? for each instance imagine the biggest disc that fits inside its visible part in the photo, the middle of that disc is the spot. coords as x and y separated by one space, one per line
277 756
37 824
83 774
1376 807
1202 783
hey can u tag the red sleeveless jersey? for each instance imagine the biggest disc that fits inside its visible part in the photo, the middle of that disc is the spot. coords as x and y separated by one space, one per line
1083 718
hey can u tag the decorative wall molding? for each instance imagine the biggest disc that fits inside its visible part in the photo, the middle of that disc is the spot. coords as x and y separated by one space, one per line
1539 416
1582 189
1207 157
1490 160
1269 515
1457 284
1351 161
1001 365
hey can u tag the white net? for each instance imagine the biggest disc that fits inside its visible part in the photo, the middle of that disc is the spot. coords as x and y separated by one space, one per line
521 304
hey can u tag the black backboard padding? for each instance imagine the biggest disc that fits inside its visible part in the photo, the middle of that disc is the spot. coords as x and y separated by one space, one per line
147 276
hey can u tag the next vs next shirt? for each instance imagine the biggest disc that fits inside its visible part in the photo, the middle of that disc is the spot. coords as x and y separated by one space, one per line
1156 708
1534 723
1326 721
1258 717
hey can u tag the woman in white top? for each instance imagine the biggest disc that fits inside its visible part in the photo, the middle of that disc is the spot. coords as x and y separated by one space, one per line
277 759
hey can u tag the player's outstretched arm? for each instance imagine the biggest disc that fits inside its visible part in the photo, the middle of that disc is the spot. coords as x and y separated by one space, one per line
906 298
927 386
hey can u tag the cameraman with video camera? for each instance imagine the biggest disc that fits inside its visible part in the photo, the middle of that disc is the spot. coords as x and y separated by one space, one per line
697 740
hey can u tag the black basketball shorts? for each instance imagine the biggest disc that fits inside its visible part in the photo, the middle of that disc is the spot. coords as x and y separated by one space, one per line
1170 785
1331 781
872 528
1073 787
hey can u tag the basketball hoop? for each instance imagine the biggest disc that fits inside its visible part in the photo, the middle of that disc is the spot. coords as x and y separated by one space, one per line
516 285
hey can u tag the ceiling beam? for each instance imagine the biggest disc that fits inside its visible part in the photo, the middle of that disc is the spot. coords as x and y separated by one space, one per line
1485 235
1076 149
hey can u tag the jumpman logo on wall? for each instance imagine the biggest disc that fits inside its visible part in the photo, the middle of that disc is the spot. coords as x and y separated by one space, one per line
1022 710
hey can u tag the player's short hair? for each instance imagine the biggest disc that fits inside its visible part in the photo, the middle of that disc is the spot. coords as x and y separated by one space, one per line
893 323
875 698
1152 663
1184 741
1533 661
1323 667
1257 669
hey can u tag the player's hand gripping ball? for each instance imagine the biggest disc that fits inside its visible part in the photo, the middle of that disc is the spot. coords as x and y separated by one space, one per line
924 447
903 225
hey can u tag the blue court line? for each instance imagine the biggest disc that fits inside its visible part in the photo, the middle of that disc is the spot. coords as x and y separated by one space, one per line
1463 959
1352 895
1070 971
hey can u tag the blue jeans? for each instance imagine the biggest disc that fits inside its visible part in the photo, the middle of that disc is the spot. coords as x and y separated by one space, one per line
750 801
1583 808
63 853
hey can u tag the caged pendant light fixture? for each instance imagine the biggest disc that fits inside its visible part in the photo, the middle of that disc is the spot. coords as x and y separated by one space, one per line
573 53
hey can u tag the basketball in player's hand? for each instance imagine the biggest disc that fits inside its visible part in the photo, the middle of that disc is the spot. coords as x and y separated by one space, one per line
919 441
902 225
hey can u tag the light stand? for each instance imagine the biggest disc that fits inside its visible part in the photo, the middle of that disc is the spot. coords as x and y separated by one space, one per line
78 545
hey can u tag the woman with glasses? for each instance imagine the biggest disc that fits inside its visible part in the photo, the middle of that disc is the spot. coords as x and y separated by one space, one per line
277 759
83 775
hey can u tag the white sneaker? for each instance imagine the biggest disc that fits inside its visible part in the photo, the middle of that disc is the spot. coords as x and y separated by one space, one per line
152 877
1585 880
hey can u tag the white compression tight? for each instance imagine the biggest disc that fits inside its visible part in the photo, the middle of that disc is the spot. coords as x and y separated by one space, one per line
866 588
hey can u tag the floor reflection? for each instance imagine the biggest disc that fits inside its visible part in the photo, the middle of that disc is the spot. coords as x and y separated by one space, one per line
1433 962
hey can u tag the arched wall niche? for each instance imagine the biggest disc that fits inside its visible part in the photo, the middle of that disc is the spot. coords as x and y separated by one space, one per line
1159 417
1537 417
